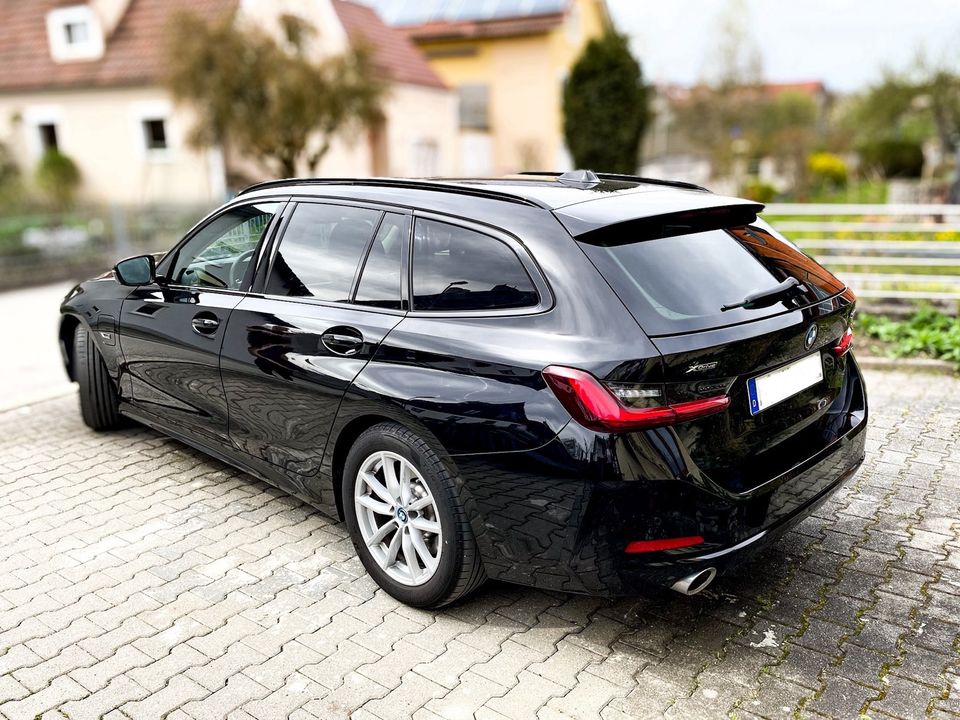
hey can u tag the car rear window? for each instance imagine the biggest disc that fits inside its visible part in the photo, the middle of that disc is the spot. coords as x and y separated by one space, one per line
678 284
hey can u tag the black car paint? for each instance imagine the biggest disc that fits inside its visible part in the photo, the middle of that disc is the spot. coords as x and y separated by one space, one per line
551 503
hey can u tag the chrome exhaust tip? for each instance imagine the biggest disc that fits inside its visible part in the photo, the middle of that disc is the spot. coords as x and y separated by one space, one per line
692 584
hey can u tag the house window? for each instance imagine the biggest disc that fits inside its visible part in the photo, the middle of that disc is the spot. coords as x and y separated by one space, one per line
155 134
474 107
48 137
426 155
74 33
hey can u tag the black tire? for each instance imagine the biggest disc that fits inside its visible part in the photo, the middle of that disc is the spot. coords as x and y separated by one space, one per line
98 396
460 570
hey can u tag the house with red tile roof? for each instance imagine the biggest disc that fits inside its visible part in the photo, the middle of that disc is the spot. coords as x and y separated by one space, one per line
85 77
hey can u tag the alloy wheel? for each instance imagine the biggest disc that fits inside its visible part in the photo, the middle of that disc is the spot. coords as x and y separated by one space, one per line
398 518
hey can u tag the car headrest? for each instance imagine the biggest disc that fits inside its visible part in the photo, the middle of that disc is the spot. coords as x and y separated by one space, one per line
350 232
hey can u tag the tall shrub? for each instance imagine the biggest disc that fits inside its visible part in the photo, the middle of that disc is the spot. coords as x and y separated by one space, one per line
605 107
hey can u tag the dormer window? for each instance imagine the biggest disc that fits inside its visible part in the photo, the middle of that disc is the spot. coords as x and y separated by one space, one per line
78 33
74 33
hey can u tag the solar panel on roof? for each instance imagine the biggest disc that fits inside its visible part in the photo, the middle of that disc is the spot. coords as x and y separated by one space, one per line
417 12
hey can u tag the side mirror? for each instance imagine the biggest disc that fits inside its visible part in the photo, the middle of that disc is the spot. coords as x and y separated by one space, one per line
139 270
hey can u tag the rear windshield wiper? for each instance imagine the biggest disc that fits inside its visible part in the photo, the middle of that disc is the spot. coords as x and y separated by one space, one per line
768 297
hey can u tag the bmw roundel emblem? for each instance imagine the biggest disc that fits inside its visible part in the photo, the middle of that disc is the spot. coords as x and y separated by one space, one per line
810 337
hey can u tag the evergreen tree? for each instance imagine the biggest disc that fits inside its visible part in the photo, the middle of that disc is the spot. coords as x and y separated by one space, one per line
605 107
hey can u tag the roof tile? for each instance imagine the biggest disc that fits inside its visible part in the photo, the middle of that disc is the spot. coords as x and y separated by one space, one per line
393 53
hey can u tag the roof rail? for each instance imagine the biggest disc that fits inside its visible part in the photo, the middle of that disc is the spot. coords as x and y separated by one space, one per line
435 185
618 176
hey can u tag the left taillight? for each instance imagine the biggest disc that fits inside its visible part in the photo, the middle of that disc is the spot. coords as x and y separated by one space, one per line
845 344
622 407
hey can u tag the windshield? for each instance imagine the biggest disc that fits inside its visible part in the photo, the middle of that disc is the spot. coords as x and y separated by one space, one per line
678 284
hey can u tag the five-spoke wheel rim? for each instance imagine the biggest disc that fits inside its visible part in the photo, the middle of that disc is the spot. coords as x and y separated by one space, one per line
398 518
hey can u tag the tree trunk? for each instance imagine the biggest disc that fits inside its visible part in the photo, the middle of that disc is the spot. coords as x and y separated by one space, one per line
288 167
314 159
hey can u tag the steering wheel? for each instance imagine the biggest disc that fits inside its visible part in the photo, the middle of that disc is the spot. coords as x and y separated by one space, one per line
239 268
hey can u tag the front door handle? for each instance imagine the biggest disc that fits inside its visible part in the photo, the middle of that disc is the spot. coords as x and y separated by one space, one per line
205 323
343 340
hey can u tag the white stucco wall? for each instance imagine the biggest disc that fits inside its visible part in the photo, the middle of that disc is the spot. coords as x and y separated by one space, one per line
102 131
421 133
419 116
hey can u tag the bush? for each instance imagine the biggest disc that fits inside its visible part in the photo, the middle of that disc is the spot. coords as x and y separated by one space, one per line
58 177
927 332
9 175
827 170
759 191
894 158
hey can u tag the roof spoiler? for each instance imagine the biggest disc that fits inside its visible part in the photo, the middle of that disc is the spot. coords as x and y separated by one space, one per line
631 218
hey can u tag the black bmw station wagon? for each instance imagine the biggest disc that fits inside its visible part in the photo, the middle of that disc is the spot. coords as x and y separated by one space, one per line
581 382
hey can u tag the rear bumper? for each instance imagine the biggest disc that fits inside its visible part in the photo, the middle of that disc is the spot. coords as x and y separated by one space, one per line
561 517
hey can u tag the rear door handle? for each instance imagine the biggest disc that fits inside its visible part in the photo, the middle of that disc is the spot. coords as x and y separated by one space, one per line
343 340
205 323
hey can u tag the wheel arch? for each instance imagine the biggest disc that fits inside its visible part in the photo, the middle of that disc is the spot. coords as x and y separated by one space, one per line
356 426
345 440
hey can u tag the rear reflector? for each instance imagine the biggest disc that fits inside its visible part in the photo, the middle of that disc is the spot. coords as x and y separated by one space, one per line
592 404
645 546
846 342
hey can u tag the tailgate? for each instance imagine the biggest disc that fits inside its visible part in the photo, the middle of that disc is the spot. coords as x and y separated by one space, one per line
745 446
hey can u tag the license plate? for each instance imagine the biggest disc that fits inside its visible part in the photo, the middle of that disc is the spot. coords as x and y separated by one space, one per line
777 385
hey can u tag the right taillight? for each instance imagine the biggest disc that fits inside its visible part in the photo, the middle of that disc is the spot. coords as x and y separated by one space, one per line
845 343
596 406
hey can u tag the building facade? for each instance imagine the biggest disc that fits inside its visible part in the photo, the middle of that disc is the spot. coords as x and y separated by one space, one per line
85 78
508 62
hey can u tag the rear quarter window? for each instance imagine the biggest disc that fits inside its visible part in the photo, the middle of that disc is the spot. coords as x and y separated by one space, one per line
678 284
458 269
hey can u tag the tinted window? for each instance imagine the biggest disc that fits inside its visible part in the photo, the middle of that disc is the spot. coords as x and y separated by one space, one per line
218 255
678 284
459 269
320 251
380 280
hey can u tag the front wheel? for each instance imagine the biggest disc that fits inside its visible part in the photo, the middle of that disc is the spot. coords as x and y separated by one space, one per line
406 520
99 403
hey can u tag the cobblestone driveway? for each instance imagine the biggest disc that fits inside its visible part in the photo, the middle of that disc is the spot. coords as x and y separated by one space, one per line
139 578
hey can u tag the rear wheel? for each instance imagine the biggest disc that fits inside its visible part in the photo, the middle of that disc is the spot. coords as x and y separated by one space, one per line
406 519
98 397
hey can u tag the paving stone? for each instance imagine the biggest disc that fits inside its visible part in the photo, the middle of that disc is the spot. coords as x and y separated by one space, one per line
841 698
526 697
401 702
904 698
121 689
470 694
141 578
295 692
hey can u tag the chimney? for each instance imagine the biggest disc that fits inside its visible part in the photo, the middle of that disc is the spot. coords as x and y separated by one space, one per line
110 12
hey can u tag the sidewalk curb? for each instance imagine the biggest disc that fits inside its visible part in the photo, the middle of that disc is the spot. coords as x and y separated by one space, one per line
925 365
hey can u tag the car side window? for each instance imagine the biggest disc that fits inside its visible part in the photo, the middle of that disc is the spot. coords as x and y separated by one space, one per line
455 268
380 279
320 251
218 255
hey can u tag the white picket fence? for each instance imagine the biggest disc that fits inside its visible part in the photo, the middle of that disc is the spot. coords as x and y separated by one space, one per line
880 265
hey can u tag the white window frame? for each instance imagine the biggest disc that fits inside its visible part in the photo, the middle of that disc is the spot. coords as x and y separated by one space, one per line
36 115
140 113
425 157
63 51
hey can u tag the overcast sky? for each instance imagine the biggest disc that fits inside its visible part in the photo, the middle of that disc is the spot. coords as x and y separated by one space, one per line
845 43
